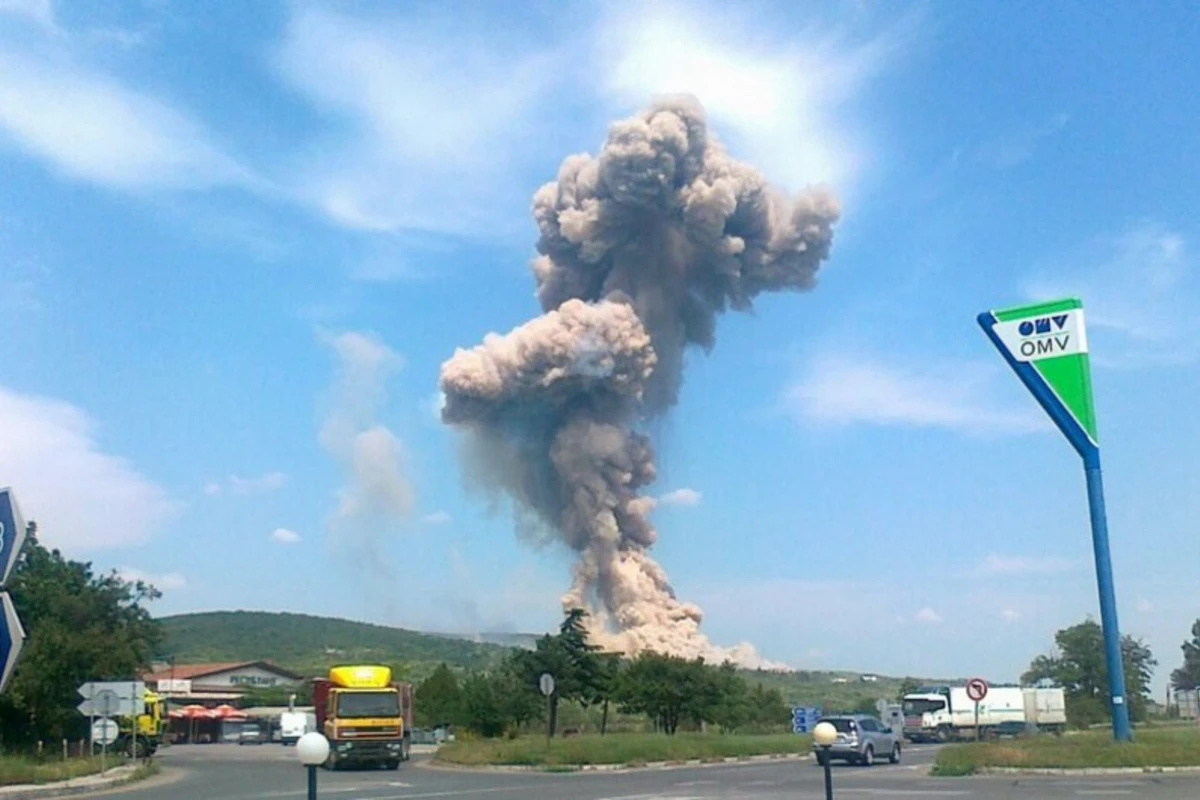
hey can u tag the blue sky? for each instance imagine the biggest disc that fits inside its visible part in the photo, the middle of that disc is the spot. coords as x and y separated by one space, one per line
231 236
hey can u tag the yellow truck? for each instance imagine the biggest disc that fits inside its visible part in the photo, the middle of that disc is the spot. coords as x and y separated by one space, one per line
365 715
140 736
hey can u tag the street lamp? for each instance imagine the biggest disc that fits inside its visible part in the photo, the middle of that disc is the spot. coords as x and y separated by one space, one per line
825 735
313 749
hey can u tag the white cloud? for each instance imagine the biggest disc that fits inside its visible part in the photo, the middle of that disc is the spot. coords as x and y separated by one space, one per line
376 489
681 497
437 518
436 116
265 483
781 94
928 616
1018 146
88 126
848 389
165 582
284 536
212 489
1137 289
996 564
1010 615
39 12
1144 606
82 498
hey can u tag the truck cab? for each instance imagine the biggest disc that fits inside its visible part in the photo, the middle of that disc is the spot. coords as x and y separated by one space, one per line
365 716
141 736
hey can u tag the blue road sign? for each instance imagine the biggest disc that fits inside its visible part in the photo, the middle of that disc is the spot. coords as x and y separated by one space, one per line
12 533
12 637
805 718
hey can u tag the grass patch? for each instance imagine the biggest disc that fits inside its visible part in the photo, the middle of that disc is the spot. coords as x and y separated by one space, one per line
15 769
618 748
1152 747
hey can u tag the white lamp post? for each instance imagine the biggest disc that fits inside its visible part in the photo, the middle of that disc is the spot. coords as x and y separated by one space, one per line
825 735
313 749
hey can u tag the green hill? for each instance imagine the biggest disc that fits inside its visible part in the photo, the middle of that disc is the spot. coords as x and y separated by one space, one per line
310 645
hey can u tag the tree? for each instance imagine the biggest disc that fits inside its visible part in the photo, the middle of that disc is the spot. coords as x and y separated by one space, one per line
1078 665
81 627
438 699
907 686
1187 677
483 707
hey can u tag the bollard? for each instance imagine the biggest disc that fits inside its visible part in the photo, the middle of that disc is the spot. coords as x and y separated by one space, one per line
66 754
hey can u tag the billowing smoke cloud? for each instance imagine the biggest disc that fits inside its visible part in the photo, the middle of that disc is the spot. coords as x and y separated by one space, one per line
641 248
376 492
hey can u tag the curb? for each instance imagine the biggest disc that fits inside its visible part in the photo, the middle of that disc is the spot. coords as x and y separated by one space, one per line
627 767
86 785
1087 770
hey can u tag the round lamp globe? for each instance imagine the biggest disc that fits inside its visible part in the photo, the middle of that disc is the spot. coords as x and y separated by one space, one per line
824 734
313 749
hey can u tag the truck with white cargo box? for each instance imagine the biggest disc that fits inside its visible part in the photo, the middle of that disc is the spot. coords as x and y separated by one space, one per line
946 713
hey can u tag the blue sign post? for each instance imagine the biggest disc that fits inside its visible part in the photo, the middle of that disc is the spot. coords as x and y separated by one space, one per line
805 718
1046 346
12 539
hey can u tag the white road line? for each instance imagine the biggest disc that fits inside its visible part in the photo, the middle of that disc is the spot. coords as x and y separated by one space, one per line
1095 792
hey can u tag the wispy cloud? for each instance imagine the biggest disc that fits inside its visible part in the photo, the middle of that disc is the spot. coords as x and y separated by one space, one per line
235 484
781 94
39 12
284 536
928 616
437 518
847 389
428 102
376 490
1137 288
681 497
1018 146
52 457
1010 615
996 564
89 126
164 582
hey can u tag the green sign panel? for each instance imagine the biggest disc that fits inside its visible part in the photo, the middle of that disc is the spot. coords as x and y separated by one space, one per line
1051 339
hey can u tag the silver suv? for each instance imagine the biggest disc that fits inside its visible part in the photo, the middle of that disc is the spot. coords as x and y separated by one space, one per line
861 740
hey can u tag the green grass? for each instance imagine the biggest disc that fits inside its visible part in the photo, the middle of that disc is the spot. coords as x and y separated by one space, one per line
620 748
1160 747
16 770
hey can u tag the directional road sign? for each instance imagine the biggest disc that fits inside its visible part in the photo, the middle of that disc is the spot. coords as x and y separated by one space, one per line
105 731
977 689
805 718
128 698
546 684
12 533
12 638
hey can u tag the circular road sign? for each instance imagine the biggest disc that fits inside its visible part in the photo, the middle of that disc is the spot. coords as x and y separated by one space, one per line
105 731
977 689
546 684
106 703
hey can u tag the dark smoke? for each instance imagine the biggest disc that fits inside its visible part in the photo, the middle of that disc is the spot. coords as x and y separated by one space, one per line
641 249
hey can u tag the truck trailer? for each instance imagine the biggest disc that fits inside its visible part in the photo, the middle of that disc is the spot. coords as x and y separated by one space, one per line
946 713
366 716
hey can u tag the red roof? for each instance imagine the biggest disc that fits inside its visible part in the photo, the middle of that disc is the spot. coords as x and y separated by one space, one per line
183 672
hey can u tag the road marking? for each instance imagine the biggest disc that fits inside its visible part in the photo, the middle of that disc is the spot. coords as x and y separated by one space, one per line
907 792
1091 792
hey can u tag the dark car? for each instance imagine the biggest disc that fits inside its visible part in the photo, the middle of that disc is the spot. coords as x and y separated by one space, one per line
860 740
252 733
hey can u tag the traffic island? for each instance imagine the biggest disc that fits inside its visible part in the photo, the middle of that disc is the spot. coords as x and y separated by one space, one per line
619 751
85 784
1091 752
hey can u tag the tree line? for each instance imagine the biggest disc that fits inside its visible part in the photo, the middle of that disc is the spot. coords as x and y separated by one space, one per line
670 692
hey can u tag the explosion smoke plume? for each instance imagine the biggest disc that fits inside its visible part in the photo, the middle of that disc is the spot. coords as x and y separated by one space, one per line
640 248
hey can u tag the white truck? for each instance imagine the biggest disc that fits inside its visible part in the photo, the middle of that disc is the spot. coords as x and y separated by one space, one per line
294 724
946 713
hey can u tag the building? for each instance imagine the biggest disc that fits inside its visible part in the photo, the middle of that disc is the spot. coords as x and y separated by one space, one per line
212 684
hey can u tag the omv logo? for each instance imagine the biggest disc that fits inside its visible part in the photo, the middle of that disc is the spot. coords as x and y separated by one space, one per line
1042 325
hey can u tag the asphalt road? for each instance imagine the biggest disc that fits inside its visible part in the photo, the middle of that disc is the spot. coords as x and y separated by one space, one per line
270 772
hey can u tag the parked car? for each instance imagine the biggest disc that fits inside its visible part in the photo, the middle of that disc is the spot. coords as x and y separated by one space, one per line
252 733
861 739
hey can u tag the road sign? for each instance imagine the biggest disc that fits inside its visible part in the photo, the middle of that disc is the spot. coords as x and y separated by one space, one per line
128 698
977 689
1045 344
12 639
12 533
105 731
546 684
805 718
